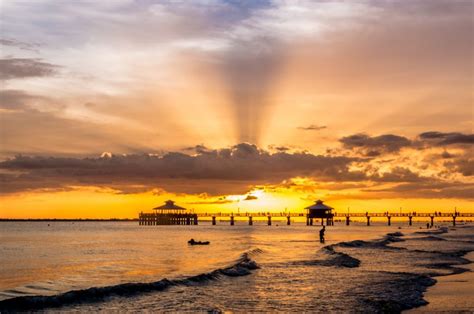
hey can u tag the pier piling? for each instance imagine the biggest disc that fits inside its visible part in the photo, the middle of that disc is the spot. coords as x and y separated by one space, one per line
179 218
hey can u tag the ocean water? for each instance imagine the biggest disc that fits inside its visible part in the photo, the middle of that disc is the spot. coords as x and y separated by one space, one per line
91 266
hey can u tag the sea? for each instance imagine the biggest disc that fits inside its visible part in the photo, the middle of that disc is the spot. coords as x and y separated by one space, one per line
121 266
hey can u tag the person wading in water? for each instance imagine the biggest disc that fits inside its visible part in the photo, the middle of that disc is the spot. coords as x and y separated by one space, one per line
321 234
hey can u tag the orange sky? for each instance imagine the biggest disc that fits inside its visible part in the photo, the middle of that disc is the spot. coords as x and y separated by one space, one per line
111 108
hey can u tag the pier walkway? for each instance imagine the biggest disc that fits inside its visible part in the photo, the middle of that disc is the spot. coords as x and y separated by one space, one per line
193 218
347 216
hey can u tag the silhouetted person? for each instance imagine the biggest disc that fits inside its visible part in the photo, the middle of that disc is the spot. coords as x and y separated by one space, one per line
427 225
192 242
321 234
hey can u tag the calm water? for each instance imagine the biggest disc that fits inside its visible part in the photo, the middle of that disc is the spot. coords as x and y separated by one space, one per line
358 268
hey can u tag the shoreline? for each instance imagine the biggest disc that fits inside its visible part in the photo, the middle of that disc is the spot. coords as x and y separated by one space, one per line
451 293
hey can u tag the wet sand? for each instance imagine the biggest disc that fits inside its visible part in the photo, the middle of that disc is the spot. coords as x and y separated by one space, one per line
453 293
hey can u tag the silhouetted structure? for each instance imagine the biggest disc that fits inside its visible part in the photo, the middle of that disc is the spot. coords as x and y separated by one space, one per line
169 208
319 210
168 214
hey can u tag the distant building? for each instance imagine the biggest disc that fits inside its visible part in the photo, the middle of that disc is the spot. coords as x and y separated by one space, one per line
320 210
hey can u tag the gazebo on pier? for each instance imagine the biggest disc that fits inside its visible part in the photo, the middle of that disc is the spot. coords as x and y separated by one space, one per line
169 208
168 214
319 210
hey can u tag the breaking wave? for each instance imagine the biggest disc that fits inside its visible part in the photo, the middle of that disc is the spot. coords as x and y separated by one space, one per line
242 267
404 290
340 259
384 291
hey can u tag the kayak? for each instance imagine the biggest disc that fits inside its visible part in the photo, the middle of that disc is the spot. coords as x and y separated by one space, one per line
199 243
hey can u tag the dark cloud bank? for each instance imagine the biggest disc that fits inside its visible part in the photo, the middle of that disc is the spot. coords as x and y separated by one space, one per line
372 146
242 163
234 169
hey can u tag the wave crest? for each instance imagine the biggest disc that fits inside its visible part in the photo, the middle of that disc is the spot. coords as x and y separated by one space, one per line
242 267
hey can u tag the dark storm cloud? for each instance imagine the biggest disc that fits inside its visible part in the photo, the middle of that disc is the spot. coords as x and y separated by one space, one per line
374 145
443 139
313 127
13 68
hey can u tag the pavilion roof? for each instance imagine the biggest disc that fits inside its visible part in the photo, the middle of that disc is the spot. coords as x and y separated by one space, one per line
319 205
169 205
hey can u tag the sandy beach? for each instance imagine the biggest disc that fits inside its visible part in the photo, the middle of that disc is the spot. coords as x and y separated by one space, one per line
454 293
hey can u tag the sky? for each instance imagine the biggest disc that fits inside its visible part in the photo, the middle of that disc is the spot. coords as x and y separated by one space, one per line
108 108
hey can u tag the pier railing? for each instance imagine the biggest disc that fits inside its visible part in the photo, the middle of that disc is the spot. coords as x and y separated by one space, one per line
192 218
336 214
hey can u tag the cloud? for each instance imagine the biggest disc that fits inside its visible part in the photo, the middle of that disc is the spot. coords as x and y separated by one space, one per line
280 148
399 174
444 139
373 146
14 99
250 197
14 68
212 200
231 170
463 165
43 132
19 44
243 165
429 189
447 155
313 127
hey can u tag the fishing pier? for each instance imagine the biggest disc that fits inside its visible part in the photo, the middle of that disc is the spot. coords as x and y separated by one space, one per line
318 213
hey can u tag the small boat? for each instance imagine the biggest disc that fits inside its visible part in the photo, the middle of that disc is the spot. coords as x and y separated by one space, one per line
193 242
